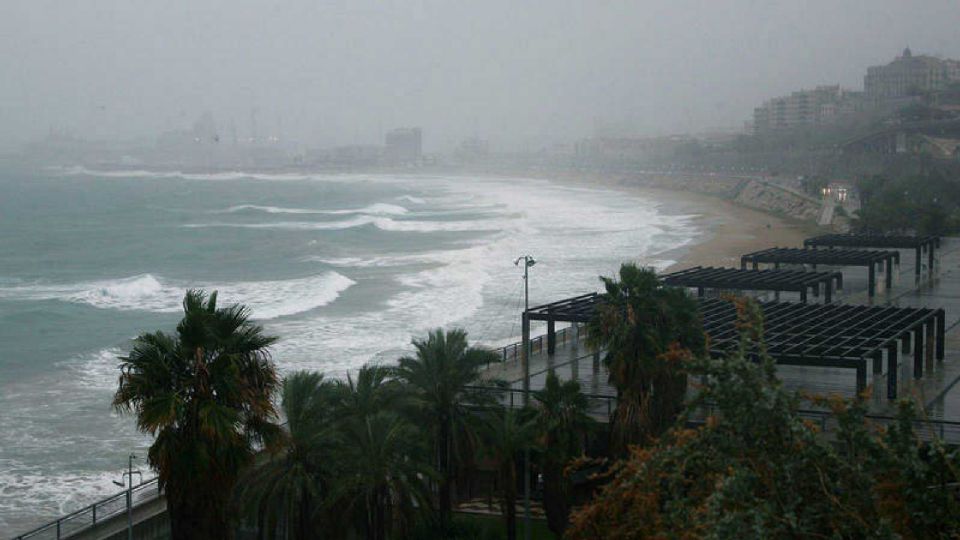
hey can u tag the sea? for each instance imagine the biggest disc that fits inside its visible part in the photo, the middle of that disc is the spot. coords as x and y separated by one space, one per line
345 268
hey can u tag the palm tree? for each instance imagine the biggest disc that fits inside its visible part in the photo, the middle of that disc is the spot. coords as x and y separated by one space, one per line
205 394
648 331
371 392
284 486
382 480
563 425
506 434
439 377
382 476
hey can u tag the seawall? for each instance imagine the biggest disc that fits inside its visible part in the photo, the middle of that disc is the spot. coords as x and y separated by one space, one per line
751 192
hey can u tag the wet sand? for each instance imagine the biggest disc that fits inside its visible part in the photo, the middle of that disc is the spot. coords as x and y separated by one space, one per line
728 229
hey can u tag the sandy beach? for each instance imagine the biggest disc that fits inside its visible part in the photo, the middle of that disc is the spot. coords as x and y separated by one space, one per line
730 230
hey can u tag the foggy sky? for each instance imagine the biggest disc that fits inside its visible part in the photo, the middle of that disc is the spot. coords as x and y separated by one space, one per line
520 73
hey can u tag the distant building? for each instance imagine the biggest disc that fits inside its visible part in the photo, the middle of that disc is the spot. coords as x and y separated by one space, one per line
823 104
404 145
357 155
910 75
473 149
629 150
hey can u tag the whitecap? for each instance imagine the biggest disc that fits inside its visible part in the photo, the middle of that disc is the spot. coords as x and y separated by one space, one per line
382 223
411 199
377 209
266 299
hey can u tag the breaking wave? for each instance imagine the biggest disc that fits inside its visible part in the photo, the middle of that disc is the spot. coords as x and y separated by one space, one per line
378 209
382 223
267 299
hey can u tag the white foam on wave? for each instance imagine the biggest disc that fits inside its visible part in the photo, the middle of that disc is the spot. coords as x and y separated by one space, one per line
411 199
377 209
267 299
381 261
382 223
45 495
576 235
229 175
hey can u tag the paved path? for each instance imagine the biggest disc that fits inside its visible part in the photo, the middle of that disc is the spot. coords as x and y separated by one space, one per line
938 390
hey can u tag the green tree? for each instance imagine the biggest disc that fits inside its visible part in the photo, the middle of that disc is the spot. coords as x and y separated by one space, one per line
757 469
288 481
205 394
438 378
563 425
506 434
648 331
380 460
926 203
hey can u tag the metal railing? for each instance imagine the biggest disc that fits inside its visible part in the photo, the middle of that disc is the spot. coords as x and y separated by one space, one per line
599 406
538 344
89 516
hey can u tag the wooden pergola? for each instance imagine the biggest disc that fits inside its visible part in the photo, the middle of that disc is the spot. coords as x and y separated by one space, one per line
919 244
819 335
837 257
702 278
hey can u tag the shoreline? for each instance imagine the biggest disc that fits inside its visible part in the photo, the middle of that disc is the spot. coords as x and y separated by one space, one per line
727 229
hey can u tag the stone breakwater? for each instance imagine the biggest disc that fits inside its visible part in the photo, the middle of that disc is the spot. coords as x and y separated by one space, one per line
750 192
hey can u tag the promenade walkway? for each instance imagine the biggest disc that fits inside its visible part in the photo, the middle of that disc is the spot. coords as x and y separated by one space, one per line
937 391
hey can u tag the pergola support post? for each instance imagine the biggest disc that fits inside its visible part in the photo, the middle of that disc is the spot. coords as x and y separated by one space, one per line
918 352
892 369
918 262
889 276
861 378
872 280
551 336
941 333
931 343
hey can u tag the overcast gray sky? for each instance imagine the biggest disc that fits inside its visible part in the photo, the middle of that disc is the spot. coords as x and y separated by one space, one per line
517 72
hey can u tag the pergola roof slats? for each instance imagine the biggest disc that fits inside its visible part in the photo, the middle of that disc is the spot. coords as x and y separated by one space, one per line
834 335
735 278
918 243
840 257
872 240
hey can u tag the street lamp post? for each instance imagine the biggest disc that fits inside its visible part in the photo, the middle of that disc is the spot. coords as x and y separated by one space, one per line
129 485
528 261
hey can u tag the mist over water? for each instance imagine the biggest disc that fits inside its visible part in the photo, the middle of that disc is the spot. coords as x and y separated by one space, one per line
344 268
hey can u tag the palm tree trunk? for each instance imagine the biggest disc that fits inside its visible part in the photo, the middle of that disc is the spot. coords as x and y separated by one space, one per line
510 501
555 497
303 518
446 502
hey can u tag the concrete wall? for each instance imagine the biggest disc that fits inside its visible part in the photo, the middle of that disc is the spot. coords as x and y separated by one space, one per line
150 523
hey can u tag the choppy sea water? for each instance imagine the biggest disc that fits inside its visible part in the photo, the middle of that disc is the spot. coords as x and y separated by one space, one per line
344 268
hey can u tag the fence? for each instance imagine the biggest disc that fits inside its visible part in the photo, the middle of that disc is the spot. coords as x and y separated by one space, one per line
97 512
538 344
599 406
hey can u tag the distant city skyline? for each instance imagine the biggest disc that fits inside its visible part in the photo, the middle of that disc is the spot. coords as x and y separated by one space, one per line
519 76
